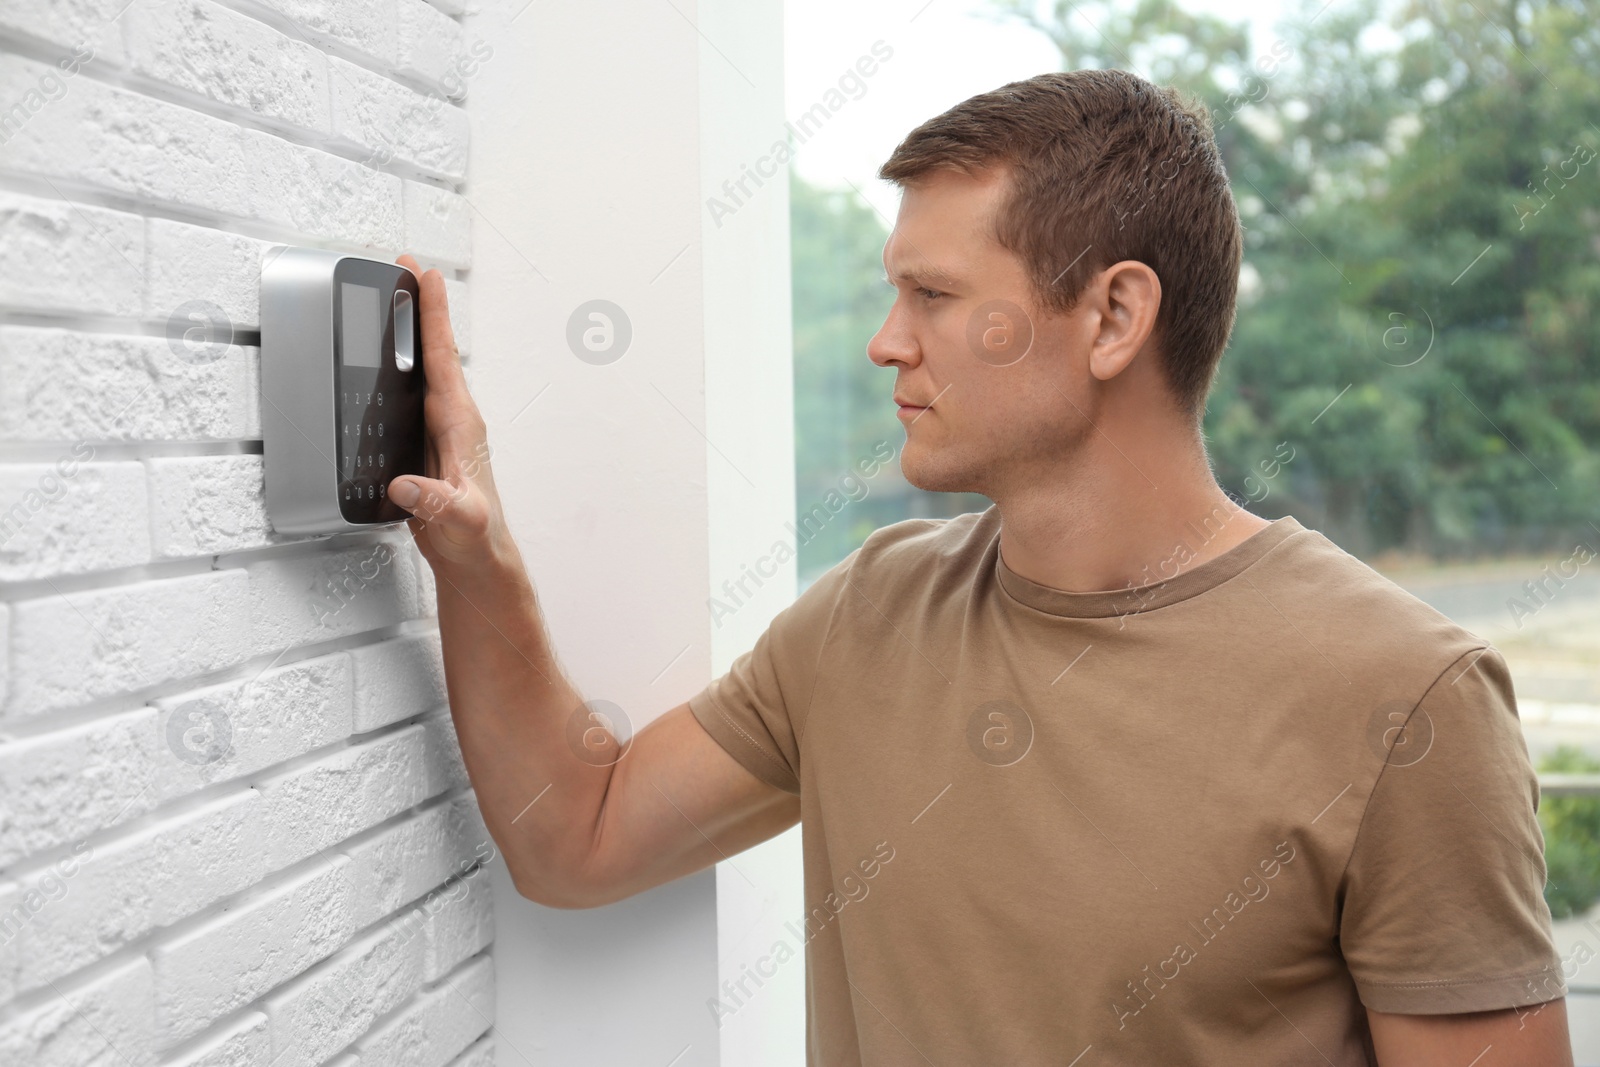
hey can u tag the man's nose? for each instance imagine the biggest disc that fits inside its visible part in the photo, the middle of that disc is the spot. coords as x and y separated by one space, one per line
894 342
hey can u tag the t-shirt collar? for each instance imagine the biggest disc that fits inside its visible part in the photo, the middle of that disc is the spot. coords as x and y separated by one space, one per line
1132 600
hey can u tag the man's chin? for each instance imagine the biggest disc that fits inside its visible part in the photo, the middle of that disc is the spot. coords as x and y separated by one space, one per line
932 476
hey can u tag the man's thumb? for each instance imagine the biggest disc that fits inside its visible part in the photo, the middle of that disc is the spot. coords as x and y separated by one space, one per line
405 492
423 497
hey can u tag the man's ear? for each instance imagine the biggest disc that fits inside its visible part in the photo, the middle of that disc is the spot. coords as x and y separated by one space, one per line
1127 297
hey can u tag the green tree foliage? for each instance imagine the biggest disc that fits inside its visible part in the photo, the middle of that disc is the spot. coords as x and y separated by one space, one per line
1571 838
1421 197
842 401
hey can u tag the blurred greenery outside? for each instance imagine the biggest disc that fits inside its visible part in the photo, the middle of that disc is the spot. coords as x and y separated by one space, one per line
1419 185
1572 839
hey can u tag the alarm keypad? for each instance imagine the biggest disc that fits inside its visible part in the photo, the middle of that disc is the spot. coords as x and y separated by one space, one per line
378 401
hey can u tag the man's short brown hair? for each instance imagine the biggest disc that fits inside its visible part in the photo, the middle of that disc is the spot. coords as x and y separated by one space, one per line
1104 167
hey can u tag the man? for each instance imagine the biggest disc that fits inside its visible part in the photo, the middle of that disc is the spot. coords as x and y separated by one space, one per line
1114 772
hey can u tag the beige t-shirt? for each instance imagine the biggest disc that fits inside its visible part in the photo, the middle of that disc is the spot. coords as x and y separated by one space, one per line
1202 821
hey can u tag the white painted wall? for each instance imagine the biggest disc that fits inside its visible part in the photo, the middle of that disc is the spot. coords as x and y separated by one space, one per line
636 487
750 417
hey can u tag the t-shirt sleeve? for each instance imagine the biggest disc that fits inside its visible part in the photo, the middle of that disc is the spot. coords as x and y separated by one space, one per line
1444 908
753 710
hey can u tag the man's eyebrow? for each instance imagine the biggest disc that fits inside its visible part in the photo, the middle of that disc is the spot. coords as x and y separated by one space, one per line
922 275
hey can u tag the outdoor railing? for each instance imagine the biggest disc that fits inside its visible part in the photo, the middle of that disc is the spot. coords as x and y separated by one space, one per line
1569 785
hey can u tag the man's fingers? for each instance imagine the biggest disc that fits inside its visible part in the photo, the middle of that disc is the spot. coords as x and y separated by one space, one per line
459 510
441 362
454 518
426 498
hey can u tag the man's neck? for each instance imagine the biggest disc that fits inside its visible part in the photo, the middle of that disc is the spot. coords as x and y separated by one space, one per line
1125 518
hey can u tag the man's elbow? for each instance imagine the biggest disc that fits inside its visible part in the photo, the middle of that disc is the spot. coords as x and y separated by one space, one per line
570 890
566 901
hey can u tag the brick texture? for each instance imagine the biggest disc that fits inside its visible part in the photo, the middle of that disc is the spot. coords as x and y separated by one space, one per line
234 825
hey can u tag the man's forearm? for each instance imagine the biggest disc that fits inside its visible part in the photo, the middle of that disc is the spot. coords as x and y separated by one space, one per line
509 699
512 708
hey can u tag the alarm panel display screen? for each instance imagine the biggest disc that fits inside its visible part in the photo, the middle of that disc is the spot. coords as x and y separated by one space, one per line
363 325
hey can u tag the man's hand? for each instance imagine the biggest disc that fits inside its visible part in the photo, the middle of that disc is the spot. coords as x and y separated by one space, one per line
458 518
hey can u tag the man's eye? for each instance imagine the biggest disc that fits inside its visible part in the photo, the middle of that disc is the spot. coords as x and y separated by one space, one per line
928 294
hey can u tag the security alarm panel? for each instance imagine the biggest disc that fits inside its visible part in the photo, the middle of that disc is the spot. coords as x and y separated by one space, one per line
342 389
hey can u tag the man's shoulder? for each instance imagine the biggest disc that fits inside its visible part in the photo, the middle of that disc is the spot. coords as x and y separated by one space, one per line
911 557
919 543
1330 593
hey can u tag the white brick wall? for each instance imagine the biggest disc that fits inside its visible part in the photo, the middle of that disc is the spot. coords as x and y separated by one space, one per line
234 826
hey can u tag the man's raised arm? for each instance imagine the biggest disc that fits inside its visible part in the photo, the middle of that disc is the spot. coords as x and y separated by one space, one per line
578 826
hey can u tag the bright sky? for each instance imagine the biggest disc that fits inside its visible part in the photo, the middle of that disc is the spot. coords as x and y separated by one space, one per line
943 52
